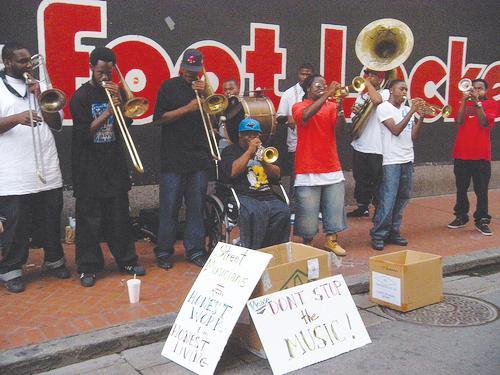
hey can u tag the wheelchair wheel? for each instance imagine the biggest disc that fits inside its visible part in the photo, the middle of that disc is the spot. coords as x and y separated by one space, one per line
215 230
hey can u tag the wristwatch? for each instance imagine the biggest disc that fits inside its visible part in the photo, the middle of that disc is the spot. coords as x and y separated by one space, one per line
478 104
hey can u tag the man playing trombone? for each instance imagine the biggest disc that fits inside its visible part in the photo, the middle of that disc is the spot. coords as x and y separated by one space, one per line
30 172
101 177
185 161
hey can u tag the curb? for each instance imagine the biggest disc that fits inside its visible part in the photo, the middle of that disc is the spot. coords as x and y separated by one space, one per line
73 349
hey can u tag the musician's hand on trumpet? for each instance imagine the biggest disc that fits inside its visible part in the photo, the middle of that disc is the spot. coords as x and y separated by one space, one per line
253 145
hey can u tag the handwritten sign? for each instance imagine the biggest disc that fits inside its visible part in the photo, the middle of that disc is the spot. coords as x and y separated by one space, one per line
212 307
308 324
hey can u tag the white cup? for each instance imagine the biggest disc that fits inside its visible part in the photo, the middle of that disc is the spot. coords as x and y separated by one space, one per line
134 290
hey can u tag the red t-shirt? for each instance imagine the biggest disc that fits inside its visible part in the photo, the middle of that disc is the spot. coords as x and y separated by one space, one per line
316 143
473 140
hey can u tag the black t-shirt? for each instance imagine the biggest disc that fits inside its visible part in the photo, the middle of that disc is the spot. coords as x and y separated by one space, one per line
184 145
99 165
253 182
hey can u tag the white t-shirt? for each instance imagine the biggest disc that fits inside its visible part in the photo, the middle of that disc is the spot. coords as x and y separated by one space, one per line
370 141
396 149
319 179
291 96
17 158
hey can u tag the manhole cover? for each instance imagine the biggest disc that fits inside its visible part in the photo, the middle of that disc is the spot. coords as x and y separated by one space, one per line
454 311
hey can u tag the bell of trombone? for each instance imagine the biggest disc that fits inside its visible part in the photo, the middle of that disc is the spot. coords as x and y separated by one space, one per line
215 104
384 44
134 106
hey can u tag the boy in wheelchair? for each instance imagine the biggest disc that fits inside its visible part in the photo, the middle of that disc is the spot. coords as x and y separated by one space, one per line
264 218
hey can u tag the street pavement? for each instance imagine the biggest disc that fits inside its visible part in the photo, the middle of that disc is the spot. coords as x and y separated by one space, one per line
397 347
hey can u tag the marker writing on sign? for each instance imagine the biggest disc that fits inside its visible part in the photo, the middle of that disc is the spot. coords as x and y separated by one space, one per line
189 345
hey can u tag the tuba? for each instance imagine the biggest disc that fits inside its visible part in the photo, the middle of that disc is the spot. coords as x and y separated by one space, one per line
382 46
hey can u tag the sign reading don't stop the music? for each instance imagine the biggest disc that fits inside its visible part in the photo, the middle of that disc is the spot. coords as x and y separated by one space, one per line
307 324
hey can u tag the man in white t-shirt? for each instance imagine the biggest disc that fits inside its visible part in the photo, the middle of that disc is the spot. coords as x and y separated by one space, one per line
23 194
398 130
284 116
367 153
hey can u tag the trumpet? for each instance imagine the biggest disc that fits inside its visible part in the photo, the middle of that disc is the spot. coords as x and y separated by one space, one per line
266 154
465 84
357 84
51 100
432 109
133 107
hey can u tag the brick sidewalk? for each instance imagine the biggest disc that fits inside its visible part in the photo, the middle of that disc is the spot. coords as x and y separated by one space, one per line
51 308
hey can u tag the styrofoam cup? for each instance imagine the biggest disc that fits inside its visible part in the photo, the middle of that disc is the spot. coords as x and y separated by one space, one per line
134 290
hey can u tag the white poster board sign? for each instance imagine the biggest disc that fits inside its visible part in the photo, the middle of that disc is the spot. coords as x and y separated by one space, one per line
307 324
212 307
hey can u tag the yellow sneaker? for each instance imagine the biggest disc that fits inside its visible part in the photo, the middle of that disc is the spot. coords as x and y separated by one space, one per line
332 245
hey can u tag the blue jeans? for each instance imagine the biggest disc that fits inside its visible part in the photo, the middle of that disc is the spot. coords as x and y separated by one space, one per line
263 223
310 200
173 187
394 194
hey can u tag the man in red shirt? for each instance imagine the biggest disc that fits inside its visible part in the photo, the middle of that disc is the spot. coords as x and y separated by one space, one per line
319 180
472 154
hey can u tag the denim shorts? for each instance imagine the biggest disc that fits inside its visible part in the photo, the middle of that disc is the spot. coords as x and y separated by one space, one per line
327 199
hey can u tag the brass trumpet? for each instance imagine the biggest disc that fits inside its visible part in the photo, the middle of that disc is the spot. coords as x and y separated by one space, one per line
432 109
133 107
357 84
465 84
266 154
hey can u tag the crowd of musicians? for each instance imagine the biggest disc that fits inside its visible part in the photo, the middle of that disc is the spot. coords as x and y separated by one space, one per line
312 112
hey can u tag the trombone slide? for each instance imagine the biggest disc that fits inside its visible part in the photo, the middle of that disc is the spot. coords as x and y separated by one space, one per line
127 139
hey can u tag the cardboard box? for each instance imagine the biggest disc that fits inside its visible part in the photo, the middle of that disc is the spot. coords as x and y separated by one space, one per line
406 280
292 264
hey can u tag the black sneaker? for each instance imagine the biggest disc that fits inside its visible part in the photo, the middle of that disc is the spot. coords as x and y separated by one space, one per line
459 222
200 260
377 245
359 212
164 262
396 240
15 285
484 229
87 279
133 270
60 272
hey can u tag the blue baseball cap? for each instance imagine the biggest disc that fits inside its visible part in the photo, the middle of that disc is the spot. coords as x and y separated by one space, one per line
249 125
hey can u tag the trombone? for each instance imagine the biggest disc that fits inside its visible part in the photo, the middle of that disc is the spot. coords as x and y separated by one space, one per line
211 104
133 107
52 100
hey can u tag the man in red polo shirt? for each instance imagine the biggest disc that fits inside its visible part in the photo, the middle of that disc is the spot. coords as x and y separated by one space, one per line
319 180
472 154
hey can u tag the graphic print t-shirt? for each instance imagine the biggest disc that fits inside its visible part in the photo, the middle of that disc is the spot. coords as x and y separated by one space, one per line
99 164
254 182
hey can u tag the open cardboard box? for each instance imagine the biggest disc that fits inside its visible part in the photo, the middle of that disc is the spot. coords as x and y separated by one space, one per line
406 280
292 264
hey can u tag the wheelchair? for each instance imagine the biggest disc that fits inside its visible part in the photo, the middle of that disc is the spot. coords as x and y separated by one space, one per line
222 210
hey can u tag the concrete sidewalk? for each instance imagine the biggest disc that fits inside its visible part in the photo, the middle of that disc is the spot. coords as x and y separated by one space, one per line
397 346
56 321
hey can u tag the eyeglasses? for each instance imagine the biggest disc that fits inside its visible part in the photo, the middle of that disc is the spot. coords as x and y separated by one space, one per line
319 85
